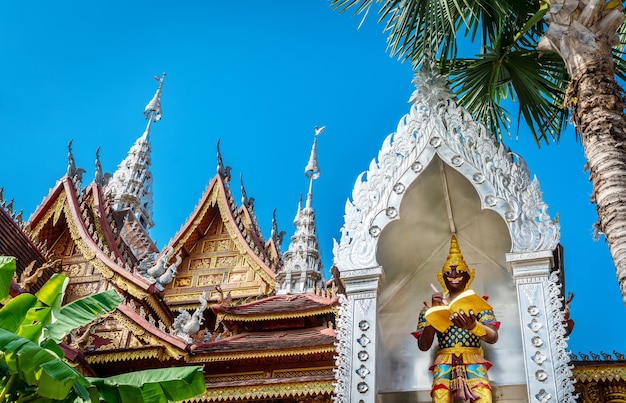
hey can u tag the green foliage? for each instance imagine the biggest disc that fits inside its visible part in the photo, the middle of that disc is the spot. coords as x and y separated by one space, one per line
32 366
82 311
7 269
163 385
497 63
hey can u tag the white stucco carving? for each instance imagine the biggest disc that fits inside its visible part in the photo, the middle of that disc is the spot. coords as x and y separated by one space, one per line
344 349
437 127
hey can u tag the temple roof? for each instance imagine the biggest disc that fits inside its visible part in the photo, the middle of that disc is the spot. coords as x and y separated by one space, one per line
270 344
96 241
278 307
221 245
14 240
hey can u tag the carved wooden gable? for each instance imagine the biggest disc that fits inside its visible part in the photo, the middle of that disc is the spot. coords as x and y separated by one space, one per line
217 254
57 227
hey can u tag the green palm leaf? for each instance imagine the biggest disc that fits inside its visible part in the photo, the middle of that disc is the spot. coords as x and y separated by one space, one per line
499 39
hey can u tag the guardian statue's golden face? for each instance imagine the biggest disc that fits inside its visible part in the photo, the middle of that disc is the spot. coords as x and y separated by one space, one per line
455 274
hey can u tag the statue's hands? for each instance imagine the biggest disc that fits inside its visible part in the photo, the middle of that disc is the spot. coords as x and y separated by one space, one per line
438 299
463 320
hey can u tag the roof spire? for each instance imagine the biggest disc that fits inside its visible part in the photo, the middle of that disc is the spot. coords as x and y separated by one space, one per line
302 269
312 170
131 185
152 111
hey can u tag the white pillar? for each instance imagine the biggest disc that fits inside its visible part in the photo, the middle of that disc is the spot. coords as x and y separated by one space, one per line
535 295
360 362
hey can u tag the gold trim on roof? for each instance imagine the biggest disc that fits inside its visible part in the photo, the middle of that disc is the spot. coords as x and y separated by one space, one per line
80 243
597 373
96 222
239 376
55 209
98 264
160 310
235 234
125 355
214 356
298 372
149 338
272 391
269 316
221 203
106 272
190 231
189 307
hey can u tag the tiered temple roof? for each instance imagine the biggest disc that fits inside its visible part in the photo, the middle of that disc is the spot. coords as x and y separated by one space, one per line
98 235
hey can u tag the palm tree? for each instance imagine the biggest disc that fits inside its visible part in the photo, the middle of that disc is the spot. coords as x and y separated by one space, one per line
553 57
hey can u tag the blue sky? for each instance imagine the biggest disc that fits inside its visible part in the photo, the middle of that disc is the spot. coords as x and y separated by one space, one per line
258 76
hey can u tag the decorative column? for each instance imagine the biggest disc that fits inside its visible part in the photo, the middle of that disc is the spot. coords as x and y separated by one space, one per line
543 341
356 363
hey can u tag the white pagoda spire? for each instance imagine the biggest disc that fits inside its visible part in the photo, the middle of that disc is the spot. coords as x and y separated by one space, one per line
302 269
131 185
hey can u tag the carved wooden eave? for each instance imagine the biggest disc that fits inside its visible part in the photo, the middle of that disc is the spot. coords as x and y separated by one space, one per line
63 201
61 211
76 360
268 345
258 385
278 307
252 233
216 208
136 337
599 381
101 217
29 257
134 234
274 255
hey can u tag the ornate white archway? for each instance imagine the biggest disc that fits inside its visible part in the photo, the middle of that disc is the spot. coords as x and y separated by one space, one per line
508 228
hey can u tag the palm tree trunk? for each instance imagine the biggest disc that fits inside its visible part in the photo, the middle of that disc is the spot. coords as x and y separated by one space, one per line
584 36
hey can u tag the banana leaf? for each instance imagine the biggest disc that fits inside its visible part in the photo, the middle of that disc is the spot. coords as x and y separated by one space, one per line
13 313
82 311
33 363
57 379
7 270
154 385
52 293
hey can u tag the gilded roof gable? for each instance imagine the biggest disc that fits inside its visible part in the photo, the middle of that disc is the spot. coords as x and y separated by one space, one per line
80 231
222 247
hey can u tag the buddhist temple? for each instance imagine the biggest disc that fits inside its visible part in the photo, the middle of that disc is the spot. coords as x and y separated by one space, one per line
265 323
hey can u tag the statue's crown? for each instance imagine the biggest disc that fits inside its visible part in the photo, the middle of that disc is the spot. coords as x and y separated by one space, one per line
455 258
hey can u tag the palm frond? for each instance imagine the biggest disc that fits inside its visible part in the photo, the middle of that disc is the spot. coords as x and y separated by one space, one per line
520 80
501 67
